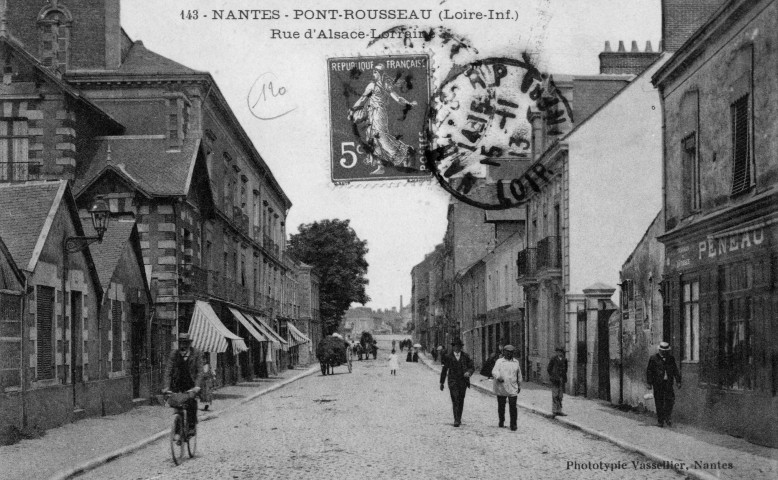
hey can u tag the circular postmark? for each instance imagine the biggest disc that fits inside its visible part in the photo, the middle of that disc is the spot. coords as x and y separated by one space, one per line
480 117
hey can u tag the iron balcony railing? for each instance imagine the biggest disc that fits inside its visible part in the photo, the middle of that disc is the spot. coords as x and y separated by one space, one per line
526 263
549 253
20 171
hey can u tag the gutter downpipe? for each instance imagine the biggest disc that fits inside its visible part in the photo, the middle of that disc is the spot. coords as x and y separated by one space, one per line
24 360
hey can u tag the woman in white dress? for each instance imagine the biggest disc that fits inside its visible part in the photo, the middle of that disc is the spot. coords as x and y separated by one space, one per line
393 363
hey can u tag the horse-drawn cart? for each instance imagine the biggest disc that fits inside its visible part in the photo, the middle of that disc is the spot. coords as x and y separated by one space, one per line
332 352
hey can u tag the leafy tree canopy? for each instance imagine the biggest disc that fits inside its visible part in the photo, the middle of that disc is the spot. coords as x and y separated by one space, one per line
337 256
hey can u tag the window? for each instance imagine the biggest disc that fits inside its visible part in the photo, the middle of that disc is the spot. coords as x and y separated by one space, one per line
45 347
691 321
14 150
116 336
54 38
735 328
691 173
11 341
741 151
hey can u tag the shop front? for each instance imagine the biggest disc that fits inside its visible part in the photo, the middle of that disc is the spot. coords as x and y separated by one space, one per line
720 305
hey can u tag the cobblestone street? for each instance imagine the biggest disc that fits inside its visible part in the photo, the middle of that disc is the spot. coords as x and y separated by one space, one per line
372 425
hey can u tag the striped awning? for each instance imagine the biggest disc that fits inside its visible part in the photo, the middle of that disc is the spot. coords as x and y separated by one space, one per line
265 331
276 336
248 325
298 336
208 332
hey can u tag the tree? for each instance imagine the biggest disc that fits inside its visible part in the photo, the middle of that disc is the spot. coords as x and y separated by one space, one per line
337 256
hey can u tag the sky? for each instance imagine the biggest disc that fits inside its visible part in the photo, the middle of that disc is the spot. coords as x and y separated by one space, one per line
401 222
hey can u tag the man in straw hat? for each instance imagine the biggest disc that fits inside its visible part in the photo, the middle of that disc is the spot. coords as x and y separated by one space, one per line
661 372
458 366
557 374
507 385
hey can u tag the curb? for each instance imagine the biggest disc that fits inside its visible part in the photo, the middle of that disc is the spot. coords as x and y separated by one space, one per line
697 474
103 459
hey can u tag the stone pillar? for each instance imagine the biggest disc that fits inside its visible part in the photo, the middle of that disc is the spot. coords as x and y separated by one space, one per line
598 298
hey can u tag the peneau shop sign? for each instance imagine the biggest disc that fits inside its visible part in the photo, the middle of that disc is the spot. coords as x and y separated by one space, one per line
719 247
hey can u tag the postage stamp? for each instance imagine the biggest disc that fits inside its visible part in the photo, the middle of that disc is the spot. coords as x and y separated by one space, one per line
378 109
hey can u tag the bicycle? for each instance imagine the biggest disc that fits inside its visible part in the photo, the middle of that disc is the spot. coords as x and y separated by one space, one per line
179 431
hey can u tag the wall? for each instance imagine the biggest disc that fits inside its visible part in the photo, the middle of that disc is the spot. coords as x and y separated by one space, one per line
710 76
615 162
641 318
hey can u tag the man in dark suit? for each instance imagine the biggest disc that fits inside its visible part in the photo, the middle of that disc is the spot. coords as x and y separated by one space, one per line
661 372
184 373
458 366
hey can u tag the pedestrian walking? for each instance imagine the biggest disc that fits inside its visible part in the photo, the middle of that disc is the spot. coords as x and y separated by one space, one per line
375 349
507 385
434 354
393 363
660 373
442 353
458 367
206 382
557 373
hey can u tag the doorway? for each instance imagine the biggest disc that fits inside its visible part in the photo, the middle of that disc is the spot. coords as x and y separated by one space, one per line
76 340
581 354
138 346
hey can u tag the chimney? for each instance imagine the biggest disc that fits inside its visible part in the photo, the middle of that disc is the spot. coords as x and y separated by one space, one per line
623 62
681 18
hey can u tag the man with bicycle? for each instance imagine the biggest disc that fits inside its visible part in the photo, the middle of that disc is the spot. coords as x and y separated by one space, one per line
183 373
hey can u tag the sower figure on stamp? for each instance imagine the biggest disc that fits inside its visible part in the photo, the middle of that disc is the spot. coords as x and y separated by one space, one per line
372 108
458 366
557 373
661 372
507 385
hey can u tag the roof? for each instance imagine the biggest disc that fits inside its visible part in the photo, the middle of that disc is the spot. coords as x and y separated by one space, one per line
145 162
20 52
506 215
25 209
141 61
107 253
10 276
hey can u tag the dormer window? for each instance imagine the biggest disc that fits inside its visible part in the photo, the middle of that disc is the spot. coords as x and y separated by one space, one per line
54 24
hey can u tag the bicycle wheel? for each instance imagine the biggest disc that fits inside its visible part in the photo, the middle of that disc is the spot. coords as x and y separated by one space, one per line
191 445
177 439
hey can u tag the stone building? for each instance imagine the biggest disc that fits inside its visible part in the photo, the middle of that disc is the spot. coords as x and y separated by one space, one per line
719 94
425 277
584 213
87 104
639 327
70 322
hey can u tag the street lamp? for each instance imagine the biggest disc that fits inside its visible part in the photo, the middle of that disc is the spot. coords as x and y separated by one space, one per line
100 215
73 244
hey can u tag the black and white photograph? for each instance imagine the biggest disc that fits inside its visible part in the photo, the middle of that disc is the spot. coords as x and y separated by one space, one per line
444 239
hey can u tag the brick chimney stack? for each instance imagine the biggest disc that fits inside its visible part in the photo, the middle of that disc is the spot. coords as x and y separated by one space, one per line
623 62
681 18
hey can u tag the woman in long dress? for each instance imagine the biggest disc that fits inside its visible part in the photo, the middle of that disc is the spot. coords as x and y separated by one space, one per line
372 108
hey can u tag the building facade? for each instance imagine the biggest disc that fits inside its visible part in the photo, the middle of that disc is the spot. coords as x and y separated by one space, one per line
719 95
71 322
85 103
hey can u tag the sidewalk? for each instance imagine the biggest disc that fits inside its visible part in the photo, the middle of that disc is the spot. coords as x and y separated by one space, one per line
727 457
65 451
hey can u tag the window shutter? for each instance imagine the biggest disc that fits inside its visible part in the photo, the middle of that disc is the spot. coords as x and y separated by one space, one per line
741 156
45 309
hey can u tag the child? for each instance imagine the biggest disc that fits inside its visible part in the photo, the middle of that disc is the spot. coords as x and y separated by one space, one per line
393 363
